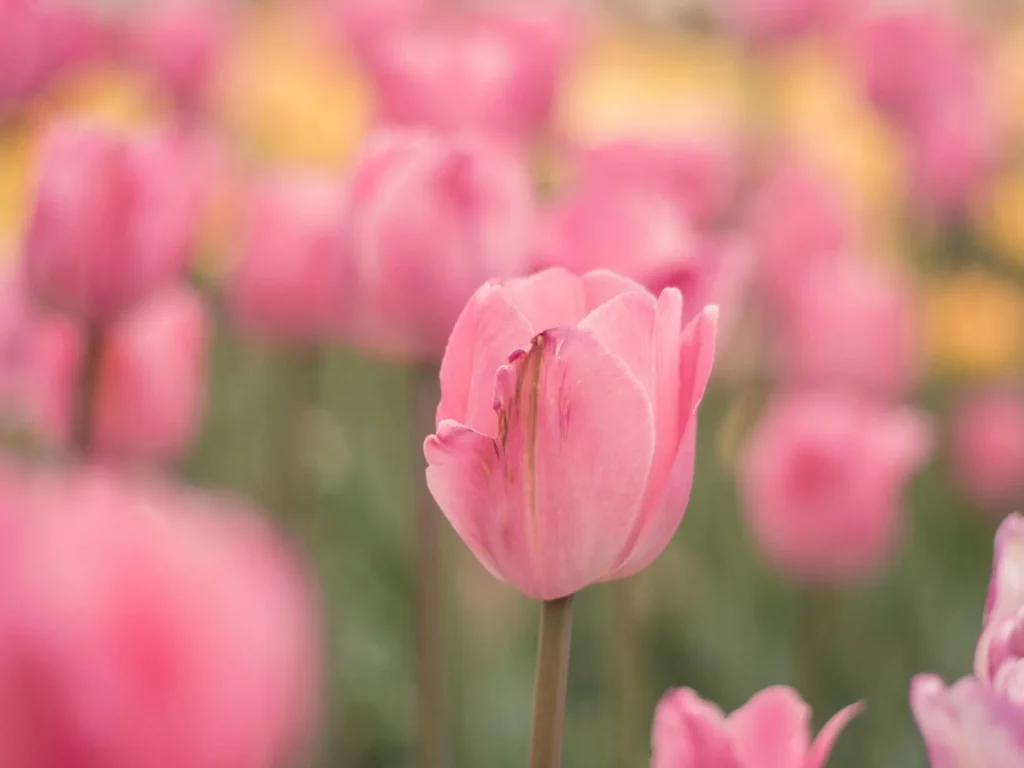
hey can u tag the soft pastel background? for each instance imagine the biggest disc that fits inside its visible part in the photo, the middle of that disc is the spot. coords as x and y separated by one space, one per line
709 614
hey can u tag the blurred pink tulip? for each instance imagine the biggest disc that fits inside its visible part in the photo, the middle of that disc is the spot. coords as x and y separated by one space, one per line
151 629
988 446
364 25
180 43
639 233
821 480
799 223
151 379
431 218
565 433
772 730
699 175
999 657
114 218
966 726
495 71
778 21
288 283
851 326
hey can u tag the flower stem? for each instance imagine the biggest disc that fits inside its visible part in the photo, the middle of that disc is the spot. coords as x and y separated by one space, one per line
625 632
82 423
432 747
551 682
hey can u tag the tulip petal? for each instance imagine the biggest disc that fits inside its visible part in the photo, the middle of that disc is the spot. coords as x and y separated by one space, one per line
826 739
550 500
690 733
625 326
549 299
696 359
487 331
602 285
966 725
772 729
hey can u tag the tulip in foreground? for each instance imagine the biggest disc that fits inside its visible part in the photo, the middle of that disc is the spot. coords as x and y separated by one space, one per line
150 628
822 479
987 445
772 730
565 433
431 217
999 658
114 218
966 725
288 282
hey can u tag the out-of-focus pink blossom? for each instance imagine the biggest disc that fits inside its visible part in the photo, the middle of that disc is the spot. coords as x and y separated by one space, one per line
565 433
852 326
772 730
988 446
778 21
365 24
966 725
999 657
822 478
493 71
800 223
699 175
430 219
114 218
180 42
639 232
151 379
150 628
288 283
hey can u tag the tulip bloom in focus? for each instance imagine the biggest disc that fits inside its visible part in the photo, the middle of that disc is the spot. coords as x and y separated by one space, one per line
565 434
180 43
114 219
145 628
430 219
822 476
772 730
850 326
288 281
988 446
966 725
151 379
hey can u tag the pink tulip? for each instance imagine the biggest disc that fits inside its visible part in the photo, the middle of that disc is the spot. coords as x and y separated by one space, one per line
365 25
988 446
799 223
772 730
565 433
778 21
639 232
150 629
114 219
966 726
151 379
288 282
851 326
180 43
699 175
999 658
431 218
821 479
494 71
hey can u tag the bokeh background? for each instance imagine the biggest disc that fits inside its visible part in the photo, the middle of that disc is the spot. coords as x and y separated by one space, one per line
711 614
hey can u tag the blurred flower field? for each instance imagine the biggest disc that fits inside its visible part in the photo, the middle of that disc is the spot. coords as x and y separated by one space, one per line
845 182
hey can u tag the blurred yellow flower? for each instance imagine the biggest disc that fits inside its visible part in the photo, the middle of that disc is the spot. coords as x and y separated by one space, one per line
287 97
651 82
975 324
1000 216
821 111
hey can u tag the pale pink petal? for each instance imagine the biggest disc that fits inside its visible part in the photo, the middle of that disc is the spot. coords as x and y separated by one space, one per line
695 361
489 329
966 725
561 483
601 285
772 730
1004 603
553 298
625 325
826 739
690 733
